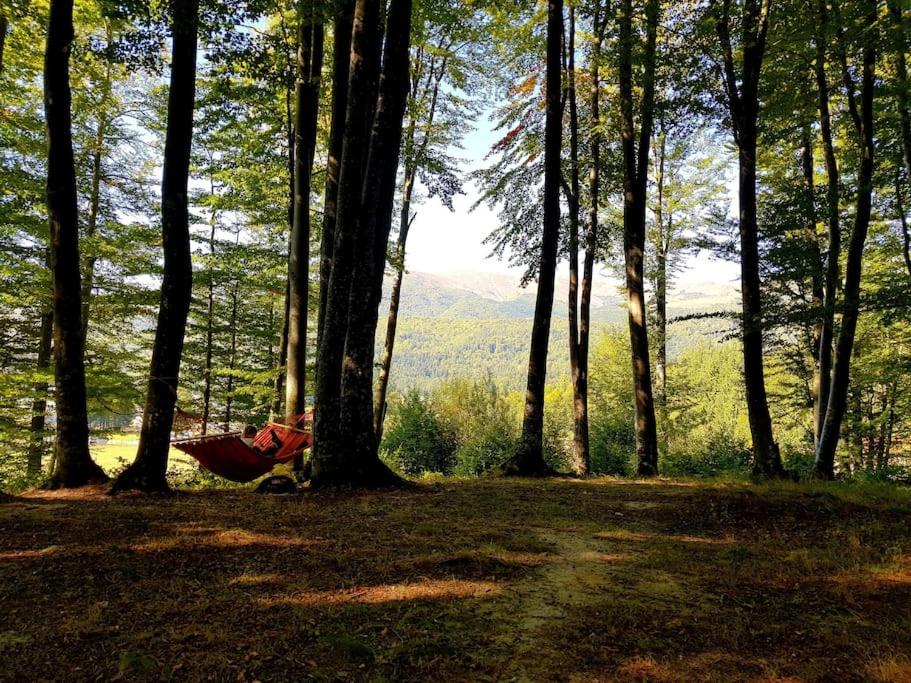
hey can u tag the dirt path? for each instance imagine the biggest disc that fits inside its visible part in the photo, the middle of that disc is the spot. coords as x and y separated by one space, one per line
576 571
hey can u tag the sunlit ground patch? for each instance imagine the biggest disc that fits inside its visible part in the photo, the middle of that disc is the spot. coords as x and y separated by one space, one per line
436 589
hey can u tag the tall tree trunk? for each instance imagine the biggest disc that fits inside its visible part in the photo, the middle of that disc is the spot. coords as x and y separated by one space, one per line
635 184
373 132
39 403
581 441
210 324
278 396
73 465
232 359
147 472
862 116
91 227
817 289
310 66
341 61
901 88
579 458
743 102
529 458
903 221
833 225
4 26
663 225
375 222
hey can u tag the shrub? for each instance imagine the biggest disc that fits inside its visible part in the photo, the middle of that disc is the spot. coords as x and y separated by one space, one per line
415 440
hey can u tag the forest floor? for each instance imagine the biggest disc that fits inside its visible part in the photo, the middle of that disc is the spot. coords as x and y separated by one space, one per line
485 580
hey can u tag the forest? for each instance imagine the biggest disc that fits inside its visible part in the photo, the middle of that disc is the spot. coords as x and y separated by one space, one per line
603 462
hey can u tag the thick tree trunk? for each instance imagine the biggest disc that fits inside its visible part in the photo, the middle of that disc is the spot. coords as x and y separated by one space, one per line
341 61
73 466
357 420
147 473
863 122
635 184
529 458
39 403
373 132
310 66
743 102
833 226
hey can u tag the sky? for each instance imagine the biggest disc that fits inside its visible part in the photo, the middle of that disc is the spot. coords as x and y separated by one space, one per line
441 241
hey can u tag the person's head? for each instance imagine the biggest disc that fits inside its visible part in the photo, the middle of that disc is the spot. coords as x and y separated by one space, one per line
249 432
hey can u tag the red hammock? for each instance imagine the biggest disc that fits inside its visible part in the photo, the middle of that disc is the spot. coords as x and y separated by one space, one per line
228 456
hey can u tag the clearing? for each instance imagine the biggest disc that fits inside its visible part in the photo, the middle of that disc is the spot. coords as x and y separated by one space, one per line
482 580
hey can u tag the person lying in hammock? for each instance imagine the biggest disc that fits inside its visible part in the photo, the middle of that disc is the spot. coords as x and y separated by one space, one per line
269 451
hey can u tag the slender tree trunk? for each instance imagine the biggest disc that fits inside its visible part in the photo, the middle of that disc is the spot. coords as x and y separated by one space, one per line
91 227
635 184
662 247
903 221
581 441
901 88
379 399
278 396
341 61
210 324
529 459
232 359
73 465
743 101
4 26
833 225
863 122
580 457
817 289
310 66
39 403
148 470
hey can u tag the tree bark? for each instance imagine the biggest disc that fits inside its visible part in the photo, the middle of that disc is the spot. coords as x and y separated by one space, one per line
901 73
147 472
39 403
307 90
357 419
73 465
662 247
210 323
743 102
635 187
862 116
817 289
232 359
373 132
4 26
529 457
833 225
580 458
341 60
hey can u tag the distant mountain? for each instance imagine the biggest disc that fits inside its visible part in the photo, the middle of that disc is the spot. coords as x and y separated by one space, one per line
499 296
475 324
